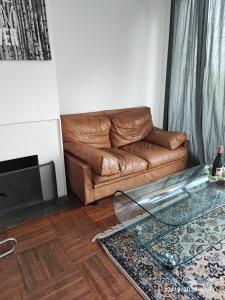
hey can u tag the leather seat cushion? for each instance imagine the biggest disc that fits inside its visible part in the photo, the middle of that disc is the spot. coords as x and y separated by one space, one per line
128 163
93 131
130 126
155 155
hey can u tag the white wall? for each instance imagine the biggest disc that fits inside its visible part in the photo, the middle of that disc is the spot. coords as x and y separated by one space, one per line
159 25
29 112
29 89
111 53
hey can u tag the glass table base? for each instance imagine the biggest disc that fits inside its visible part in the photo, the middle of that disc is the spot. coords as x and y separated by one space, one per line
178 226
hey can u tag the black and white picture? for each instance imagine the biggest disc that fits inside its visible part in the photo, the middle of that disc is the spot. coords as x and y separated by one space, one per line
24 30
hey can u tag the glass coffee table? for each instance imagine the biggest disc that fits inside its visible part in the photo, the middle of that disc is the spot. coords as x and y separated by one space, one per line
174 218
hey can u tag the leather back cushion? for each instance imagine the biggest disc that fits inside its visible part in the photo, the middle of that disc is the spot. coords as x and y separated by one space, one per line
92 131
130 126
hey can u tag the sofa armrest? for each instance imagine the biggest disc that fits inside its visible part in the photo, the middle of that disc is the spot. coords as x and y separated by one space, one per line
79 176
186 144
102 162
169 139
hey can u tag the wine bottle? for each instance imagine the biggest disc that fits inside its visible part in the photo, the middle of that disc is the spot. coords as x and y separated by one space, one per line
217 169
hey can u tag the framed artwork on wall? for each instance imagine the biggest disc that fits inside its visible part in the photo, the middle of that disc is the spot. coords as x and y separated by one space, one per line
24 30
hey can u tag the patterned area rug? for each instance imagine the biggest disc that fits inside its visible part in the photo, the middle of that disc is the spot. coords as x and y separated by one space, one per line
203 277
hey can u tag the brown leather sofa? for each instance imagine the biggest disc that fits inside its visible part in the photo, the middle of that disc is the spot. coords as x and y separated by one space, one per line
115 150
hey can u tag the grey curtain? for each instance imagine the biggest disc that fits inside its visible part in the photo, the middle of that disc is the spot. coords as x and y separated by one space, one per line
195 95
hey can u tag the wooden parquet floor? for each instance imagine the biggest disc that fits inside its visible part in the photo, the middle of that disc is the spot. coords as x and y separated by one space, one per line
56 259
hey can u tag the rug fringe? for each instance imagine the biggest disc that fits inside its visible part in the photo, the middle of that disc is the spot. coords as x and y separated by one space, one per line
119 227
108 232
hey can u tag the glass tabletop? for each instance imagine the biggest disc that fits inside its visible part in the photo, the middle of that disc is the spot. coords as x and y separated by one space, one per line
189 192
174 217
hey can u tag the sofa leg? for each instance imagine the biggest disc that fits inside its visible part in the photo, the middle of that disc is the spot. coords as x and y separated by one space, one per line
94 203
